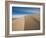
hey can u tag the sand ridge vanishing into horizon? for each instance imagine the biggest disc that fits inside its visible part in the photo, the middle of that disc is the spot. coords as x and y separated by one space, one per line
26 23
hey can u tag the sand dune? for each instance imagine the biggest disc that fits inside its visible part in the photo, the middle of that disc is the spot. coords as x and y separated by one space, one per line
18 24
26 23
32 23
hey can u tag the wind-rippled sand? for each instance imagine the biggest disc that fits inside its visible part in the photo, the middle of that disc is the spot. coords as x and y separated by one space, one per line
26 23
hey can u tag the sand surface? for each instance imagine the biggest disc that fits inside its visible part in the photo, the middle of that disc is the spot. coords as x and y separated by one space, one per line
26 23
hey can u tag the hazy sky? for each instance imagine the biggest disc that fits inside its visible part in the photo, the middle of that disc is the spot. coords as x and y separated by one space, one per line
24 10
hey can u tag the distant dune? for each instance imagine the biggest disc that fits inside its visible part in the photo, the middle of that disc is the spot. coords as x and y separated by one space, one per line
26 23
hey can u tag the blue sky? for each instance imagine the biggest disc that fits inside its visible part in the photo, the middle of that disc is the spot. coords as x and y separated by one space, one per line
24 10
